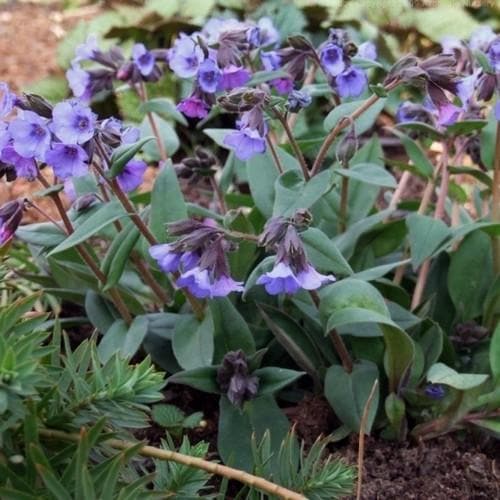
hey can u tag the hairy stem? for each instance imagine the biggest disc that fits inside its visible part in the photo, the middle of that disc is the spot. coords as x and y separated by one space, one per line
274 154
218 194
344 198
198 463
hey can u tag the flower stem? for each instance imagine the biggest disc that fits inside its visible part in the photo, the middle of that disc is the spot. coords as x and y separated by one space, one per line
274 154
218 194
344 196
342 124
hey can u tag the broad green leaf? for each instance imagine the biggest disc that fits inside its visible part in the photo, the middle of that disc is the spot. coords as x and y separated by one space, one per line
377 272
495 353
348 393
204 379
167 202
425 128
399 356
416 154
193 342
362 123
273 379
43 234
99 311
323 253
442 374
105 215
231 331
395 409
491 425
368 173
354 315
167 134
465 127
218 135
426 234
474 172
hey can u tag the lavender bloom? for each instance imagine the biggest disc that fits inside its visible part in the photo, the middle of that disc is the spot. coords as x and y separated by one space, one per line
435 391
224 285
6 100
367 50
143 59
246 142
497 111
11 215
185 57
282 85
233 77
450 44
481 38
67 160
73 122
79 82
281 279
298 100
332 59
270 60
351 83
30 135
494 55
193 107
310 279
24 167
86 50
448 114
167 259
209 76
264 34
132 175
69 190
198 282
4 135
465 89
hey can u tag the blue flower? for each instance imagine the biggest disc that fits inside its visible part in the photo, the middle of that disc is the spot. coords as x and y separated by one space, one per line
25 167
233 77
170 260
298 100
143 59
435 391
7 99
494 54
465 89
310 279
86 50
281 279
30 135
79 82
67 160
194 107
185 57
264 34
367 50
497 111
351 83
132 175
481 38
448 114
209 76
332 59
246 142
270 60
199 283
73 122
4 135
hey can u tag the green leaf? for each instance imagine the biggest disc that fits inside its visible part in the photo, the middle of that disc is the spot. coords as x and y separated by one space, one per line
43 234
123 154
167 415
105 215
293 192
167 134
425 128
193 341
399 355
362 123
204 379
348 393
231 331
466 127
474 172
470 275
488 141
273 379
167 202
495 354
354 315
100 313
374 273
395 409
164 108
265 76
368 173
218 135
323 253
416 154
426 234
442 374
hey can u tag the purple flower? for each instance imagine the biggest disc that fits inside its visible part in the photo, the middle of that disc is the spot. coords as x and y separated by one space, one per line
263 34
194 107
11 215
448 114
67 160
497 110
143 59
167 259
298 100
86 50
198 282
246 143
367 50
281 279
494 54
282 85
73 122
310 279
4 135
481 38
30 135
69 190
435 391
351 83
209 76
132 175
233 77
224 285
79 82
6 100
185 57
332 59
25 167
270 60
449 44
465 89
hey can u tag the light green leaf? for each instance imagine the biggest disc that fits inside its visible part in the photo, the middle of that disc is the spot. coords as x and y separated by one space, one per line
193 342
362 123
368 173
442 374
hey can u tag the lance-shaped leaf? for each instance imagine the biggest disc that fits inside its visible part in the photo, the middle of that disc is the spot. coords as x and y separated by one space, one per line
123 154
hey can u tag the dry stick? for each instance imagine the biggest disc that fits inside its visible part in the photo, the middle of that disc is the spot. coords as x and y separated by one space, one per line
495 210
293 143
361 446
342 124
274 154
438 214
85 255
197 463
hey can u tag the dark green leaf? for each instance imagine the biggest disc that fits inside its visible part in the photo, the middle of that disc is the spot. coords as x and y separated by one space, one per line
204 379
123 154
369 173
193 342
416 154
362 123
273 379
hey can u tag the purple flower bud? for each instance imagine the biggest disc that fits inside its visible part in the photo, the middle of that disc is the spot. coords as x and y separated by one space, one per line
332 59
30 135
11 215
351 83
185 57
246 142
435 391
143 59
7 99
79 82
494 54
132 175
367 50
209 76
25 167
298 100
193 107
67 160
73 122
233 77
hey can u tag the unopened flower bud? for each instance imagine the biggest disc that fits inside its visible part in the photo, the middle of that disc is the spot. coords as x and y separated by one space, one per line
85 202
298 99
347 147
11 214
302 218
36 103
